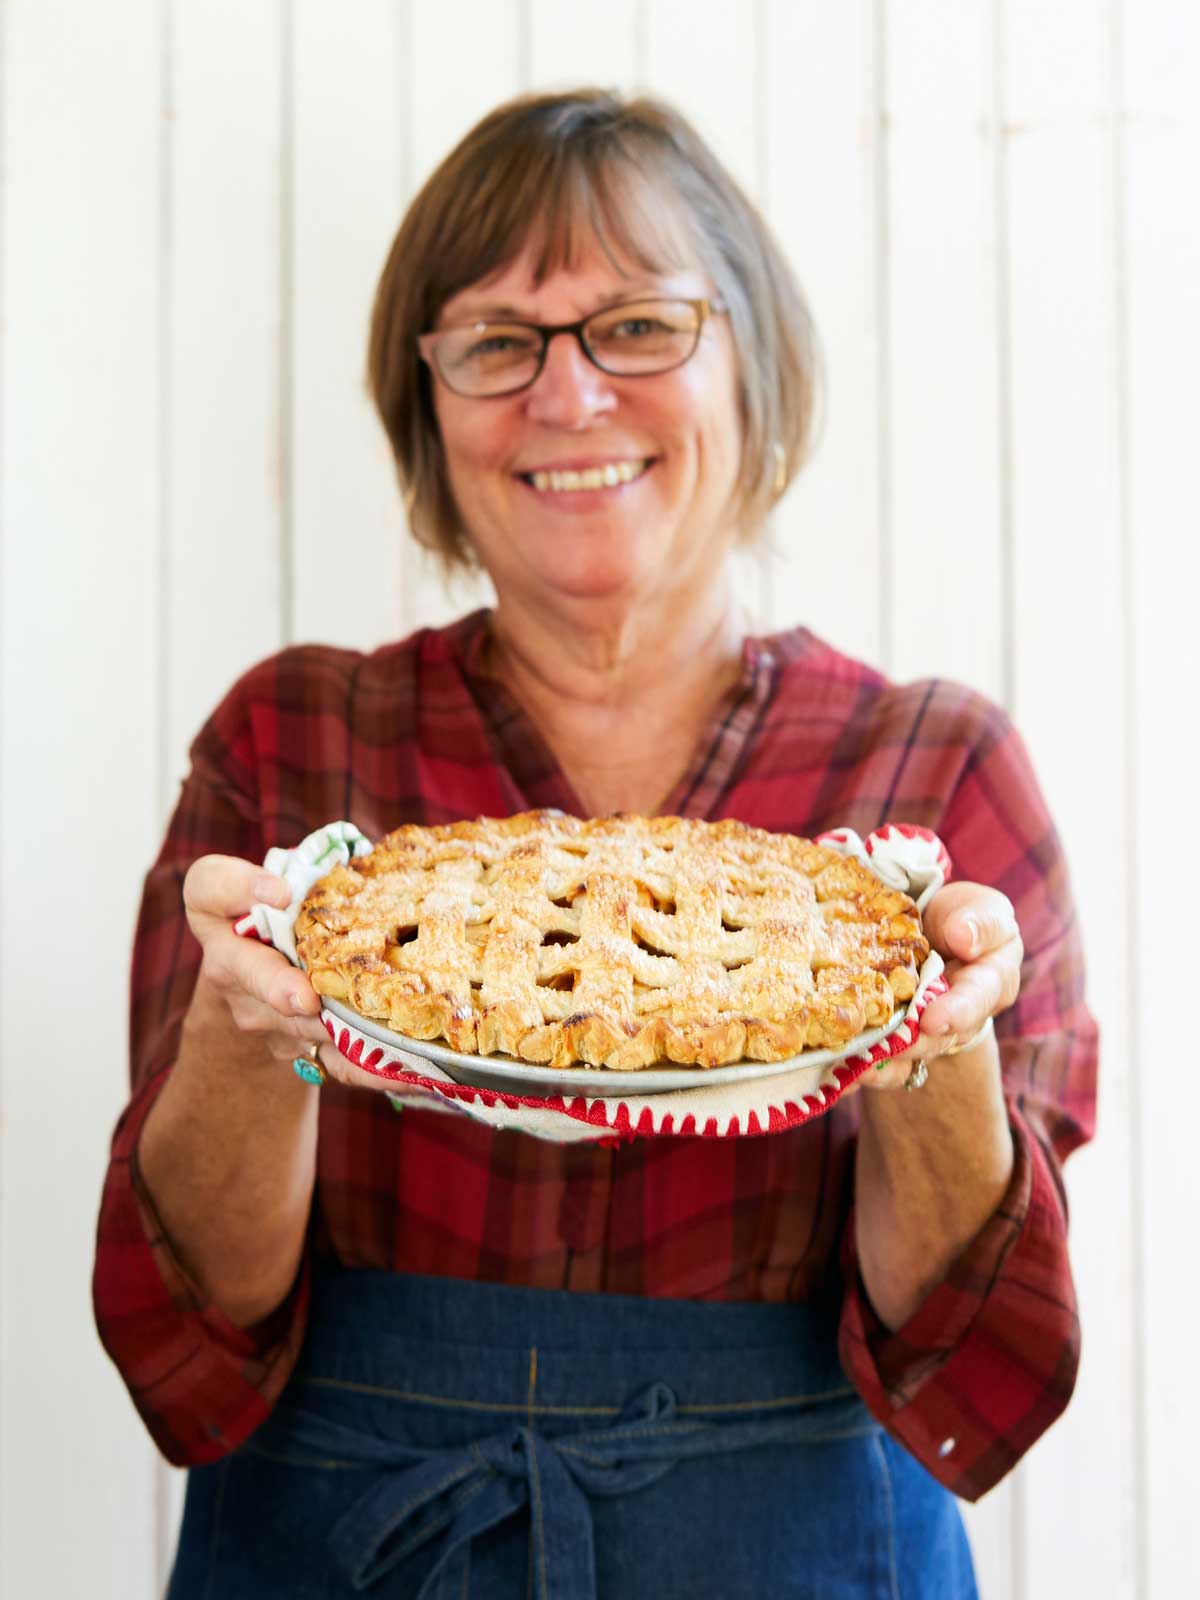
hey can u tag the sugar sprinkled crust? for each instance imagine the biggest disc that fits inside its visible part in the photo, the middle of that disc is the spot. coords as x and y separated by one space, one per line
619 942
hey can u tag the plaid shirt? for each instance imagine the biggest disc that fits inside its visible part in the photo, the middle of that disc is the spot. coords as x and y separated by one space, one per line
807 740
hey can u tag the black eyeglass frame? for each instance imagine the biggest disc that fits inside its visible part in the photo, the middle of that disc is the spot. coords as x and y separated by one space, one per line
427 343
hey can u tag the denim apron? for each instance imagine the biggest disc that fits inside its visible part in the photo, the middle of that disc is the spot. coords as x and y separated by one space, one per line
446 1440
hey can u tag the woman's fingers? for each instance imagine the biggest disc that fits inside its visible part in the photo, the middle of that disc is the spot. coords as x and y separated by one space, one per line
976 928
978 990
969 920
244 967
226 887
265 995
218 888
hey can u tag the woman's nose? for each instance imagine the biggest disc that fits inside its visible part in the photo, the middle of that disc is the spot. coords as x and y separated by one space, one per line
570 390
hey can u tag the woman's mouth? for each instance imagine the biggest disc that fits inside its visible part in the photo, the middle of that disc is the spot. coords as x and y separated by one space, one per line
570 480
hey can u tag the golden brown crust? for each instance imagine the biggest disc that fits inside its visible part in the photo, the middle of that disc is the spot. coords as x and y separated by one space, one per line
620 942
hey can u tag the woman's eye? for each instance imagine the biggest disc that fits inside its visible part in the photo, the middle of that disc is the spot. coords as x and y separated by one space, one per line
494 344
637 328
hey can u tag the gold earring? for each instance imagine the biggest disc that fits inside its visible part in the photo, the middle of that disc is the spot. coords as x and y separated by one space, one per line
780 483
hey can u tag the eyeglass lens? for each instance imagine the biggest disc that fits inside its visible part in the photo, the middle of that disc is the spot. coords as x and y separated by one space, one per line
646 337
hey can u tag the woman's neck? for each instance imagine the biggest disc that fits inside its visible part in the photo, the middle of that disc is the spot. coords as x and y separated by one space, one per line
623 697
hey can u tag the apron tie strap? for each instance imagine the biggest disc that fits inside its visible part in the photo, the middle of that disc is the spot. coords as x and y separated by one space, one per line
425 1512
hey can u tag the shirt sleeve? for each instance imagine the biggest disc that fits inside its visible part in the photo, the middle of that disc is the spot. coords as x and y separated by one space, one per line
988 1360
201 1384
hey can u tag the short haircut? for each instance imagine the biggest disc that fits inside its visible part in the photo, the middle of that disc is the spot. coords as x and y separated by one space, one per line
561 174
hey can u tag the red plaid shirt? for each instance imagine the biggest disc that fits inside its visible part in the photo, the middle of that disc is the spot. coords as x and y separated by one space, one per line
808 740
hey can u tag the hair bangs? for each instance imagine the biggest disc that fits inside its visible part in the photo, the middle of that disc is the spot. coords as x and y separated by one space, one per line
606 205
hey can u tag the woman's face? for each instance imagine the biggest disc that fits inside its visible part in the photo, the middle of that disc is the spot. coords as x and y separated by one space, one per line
680 432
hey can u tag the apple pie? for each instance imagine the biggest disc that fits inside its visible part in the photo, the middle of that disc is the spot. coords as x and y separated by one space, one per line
620 942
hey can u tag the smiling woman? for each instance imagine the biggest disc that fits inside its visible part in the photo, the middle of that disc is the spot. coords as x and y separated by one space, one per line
617 382
629 193
379 1341
530 470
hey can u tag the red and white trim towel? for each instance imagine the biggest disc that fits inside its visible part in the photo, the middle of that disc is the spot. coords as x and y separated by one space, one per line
905 857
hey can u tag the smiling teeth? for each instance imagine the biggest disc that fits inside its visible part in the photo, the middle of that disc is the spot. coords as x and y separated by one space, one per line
607 477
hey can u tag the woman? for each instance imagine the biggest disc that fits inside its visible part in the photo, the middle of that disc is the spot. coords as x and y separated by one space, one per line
596 375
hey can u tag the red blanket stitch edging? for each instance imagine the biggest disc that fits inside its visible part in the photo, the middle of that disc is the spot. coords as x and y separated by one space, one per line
597 1114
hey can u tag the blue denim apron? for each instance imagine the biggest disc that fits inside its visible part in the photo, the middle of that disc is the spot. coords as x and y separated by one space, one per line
445 1440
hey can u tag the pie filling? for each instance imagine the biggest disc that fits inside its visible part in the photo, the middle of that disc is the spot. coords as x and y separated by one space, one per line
622 942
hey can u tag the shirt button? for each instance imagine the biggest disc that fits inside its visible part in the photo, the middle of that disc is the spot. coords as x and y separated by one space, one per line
946 1446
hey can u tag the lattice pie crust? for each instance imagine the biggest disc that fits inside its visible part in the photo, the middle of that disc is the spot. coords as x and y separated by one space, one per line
618 943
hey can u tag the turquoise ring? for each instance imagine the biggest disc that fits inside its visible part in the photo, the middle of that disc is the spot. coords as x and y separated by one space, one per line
311 1071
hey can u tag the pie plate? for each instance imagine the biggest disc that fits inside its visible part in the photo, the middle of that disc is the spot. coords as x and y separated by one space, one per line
504 1074
581 1102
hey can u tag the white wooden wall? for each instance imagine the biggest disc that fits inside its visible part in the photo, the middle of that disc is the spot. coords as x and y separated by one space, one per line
993 205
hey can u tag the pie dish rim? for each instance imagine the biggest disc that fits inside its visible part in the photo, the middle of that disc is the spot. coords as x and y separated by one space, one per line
608 1083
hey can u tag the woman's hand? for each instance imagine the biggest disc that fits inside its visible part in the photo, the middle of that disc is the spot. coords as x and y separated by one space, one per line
267 999
932 1167
974 929
228 1150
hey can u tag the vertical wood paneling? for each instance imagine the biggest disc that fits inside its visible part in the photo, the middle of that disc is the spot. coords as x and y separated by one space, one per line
1161 48
945 569
447 89
706 63
223 570
821 198
349 156
1069 686
590 42
78 762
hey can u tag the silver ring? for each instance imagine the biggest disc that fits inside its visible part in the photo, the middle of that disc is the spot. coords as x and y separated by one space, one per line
918 1077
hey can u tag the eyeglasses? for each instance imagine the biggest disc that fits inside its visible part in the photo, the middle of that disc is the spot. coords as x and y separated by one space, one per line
636 340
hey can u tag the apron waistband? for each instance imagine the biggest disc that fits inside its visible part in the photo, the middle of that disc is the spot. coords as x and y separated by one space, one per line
551 1352
425 1506
577 1395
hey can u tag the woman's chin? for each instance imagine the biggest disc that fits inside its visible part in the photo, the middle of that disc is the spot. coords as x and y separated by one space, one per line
597 570
595 580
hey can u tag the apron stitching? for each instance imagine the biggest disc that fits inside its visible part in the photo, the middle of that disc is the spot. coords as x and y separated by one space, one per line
450 1400
638 1430
535 1482
573 1411
770 1405
529 1564
428 1494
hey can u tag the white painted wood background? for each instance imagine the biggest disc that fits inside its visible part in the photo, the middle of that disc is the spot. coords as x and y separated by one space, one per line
993 205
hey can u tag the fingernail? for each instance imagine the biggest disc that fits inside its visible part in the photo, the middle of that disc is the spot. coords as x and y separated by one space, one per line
271 890
298 1005
971 924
